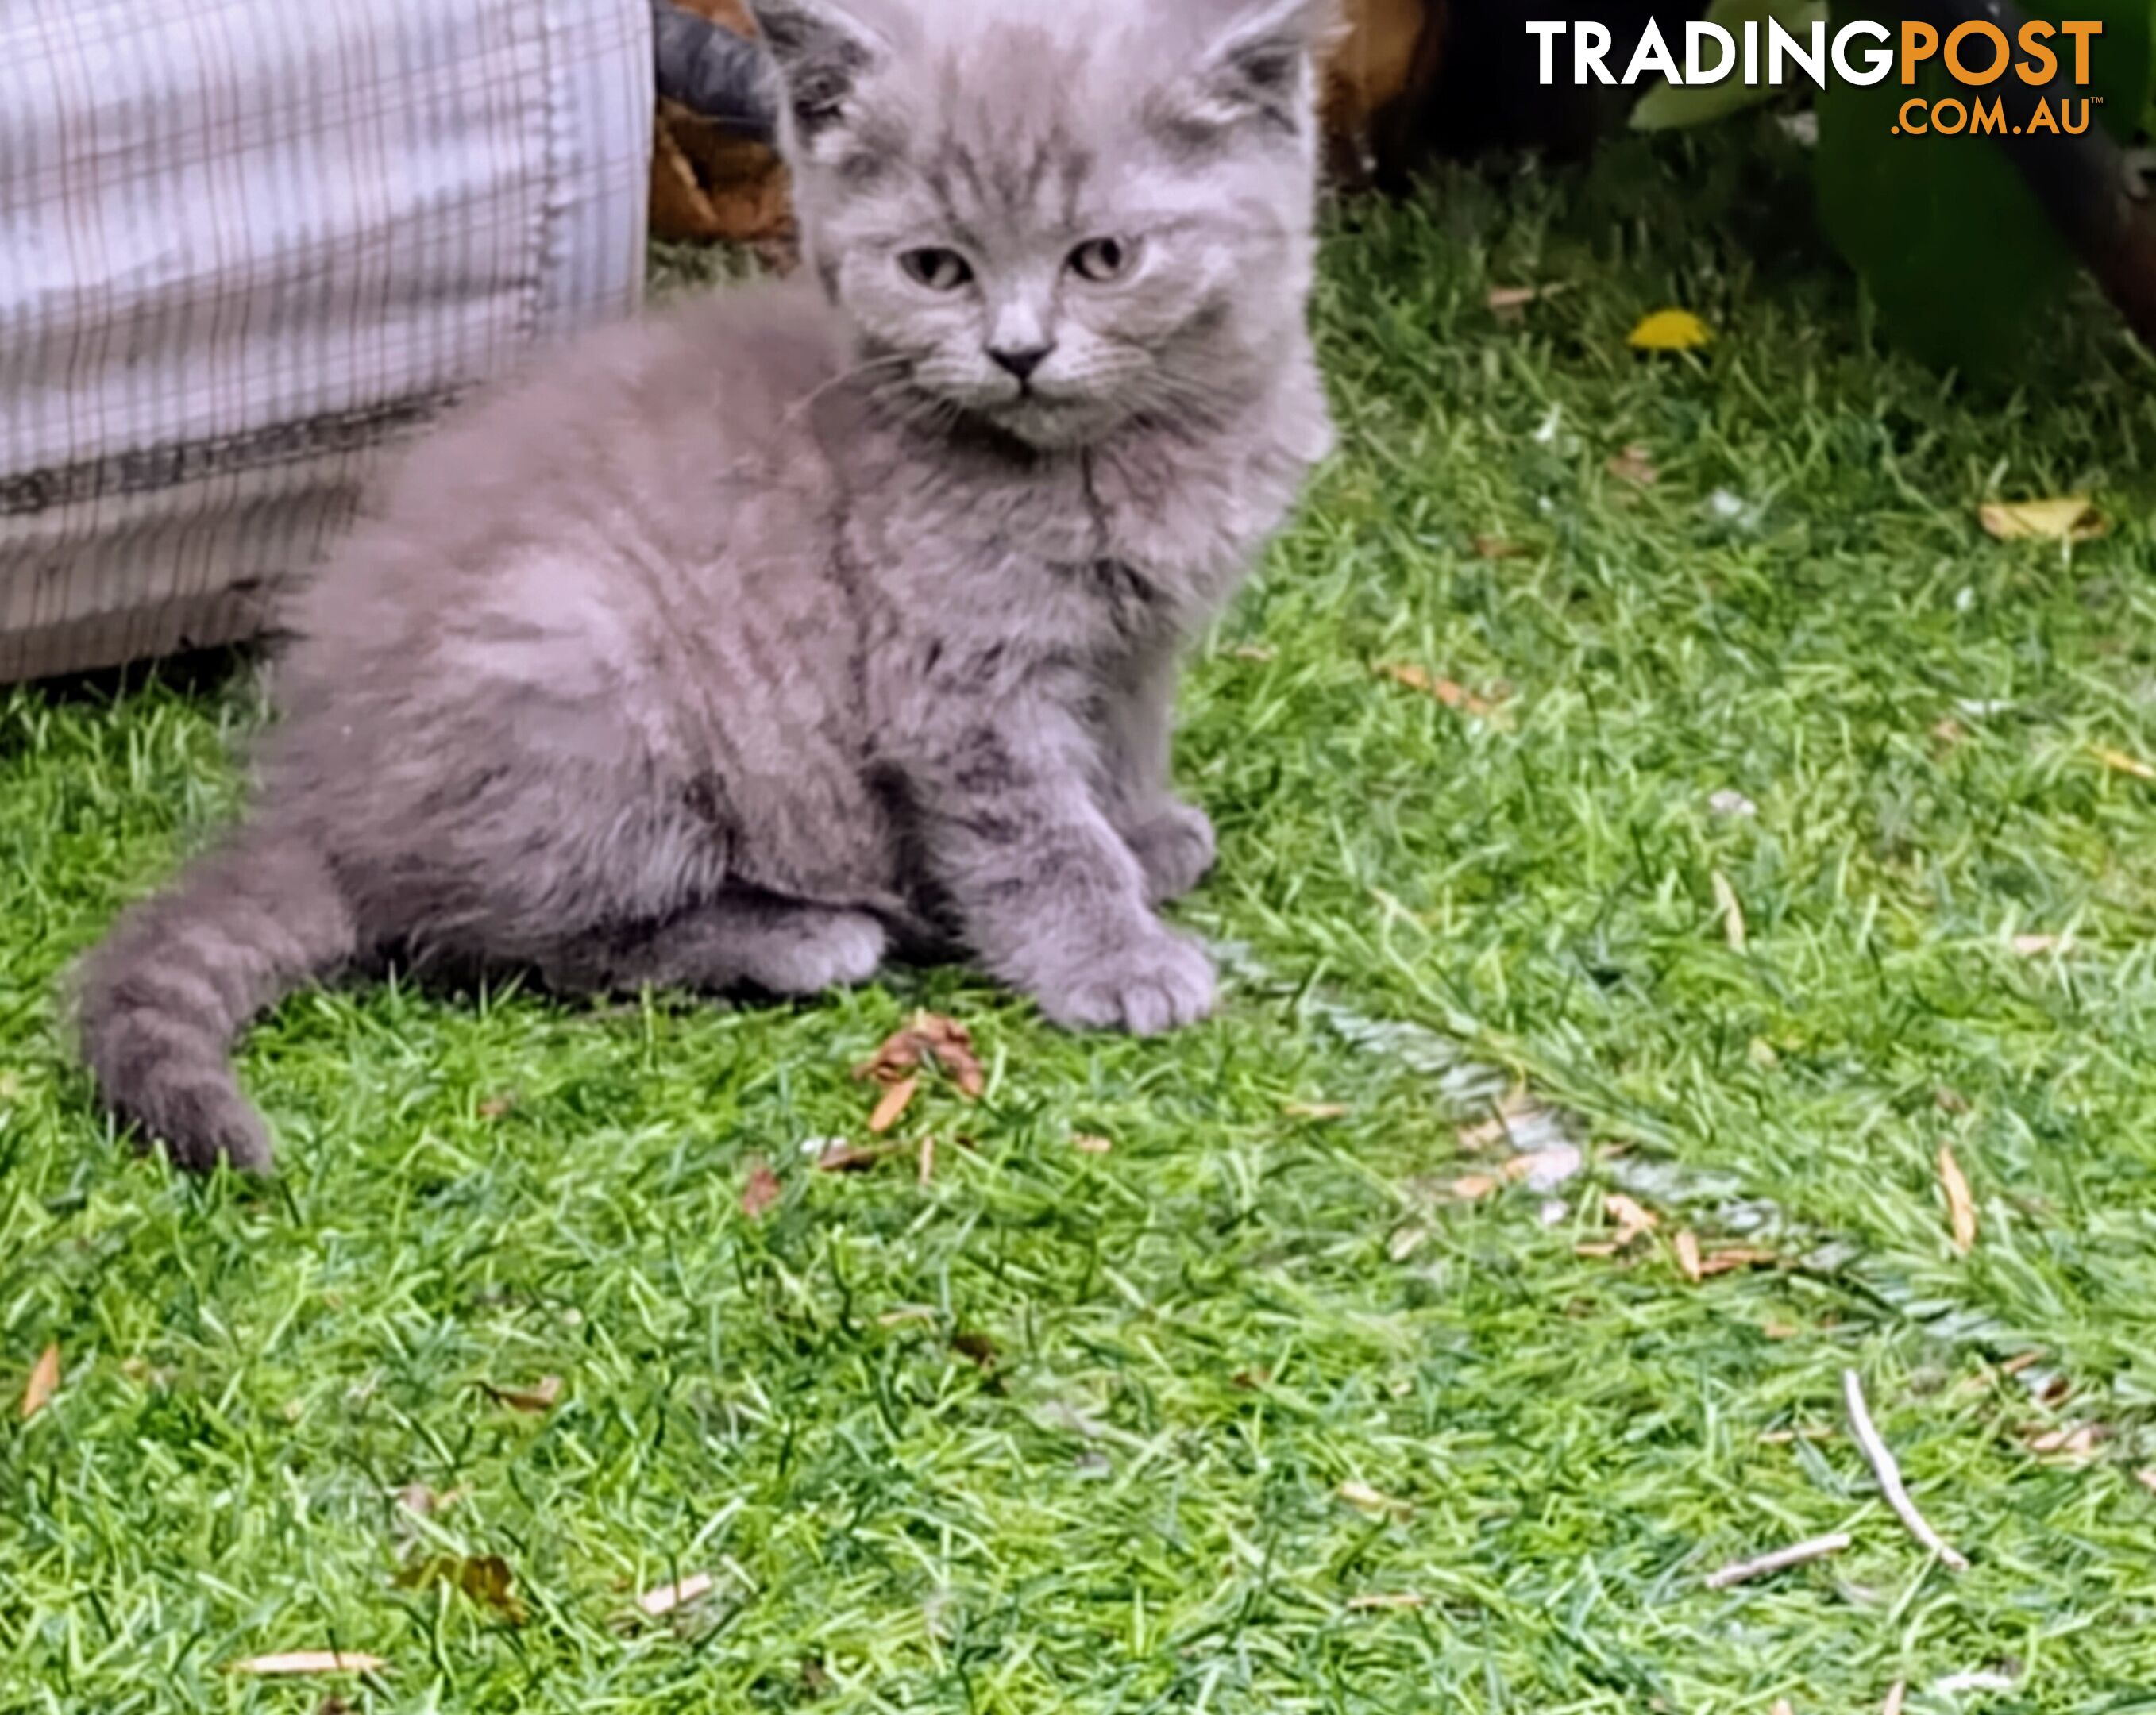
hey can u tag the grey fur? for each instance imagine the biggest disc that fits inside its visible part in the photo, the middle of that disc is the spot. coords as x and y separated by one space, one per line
737 649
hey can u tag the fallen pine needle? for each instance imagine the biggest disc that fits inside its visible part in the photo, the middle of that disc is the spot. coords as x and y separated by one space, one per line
1881 1458
1763 1565
1961 1208
299 1661
667 1597
45 1381
928 1167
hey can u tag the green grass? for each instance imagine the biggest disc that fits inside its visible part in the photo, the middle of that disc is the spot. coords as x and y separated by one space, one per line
1199 1337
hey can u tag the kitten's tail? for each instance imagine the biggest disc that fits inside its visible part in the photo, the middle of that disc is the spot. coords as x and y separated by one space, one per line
161 1000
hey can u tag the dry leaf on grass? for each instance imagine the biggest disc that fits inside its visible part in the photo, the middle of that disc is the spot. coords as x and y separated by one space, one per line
494 1107
924 1170
1731 1258
1634 464
2119 762
761 1191
1631 1218
1449 691
929 1039
1961 1207
1669 330
977 1347
45 1381
840 1156
1896 1694
482 1579
892 1104
420 1498
1731 910
1086 1144
1686 1244
2036 946
2077 1445
1315 1110
1365 1499
2067 518
1495 547
667 1597
1511 302
538 1398
1782 1707
295 1663
1406 1242
2146 1478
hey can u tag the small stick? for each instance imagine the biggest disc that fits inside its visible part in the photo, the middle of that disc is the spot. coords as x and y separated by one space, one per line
1796 1554
1880 1459
1895 1693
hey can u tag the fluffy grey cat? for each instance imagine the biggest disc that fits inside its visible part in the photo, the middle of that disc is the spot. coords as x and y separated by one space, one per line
738 649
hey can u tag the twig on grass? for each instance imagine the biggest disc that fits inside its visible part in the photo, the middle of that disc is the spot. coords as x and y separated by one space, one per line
1881 1458
1780 1560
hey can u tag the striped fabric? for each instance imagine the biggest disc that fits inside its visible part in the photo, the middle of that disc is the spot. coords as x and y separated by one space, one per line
246 243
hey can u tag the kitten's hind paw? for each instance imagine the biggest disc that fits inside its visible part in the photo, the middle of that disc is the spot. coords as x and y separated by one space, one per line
1160 984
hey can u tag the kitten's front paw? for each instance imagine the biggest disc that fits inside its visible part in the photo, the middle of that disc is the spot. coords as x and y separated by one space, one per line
1175 848
1161 982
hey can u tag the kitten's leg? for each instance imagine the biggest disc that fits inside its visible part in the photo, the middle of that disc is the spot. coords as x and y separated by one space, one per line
738 941
1172 840
1051 898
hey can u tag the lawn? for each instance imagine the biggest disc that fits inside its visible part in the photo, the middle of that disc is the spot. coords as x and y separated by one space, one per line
1757 829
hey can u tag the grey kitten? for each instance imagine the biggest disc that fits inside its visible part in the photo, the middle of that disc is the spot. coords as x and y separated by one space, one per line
738 649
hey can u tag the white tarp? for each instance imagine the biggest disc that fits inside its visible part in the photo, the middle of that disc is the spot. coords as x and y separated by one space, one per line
244 244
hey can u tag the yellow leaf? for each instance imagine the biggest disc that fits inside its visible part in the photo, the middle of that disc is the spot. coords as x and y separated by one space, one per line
1670 331
1732 912
2119 762
299 1661
2068 518
892 1104
1961 1207
1689 1262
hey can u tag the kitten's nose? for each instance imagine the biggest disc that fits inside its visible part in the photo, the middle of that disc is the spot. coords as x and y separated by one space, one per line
1020 361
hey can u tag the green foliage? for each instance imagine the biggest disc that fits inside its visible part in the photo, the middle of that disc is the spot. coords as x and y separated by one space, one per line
1951 242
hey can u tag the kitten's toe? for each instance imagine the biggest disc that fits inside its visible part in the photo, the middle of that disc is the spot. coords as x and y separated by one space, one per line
821 950
1175 848
1162 983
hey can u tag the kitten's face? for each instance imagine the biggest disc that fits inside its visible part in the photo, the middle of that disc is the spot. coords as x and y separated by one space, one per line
1053 216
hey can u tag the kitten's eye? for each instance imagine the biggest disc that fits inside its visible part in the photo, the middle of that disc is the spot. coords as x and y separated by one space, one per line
1103 259
939 270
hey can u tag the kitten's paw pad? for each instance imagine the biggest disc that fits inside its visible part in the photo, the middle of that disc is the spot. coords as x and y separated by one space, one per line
827 950
1162 983
1175 848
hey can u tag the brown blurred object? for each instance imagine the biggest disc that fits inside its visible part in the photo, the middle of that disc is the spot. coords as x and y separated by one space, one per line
708 187
1389 55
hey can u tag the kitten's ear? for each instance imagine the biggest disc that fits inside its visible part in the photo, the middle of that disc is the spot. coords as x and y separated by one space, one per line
822 48
1262 62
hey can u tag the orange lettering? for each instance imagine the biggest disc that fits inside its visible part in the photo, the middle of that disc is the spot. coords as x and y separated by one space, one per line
2080 29
1990 33
1919 42
2042 64
1915 126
